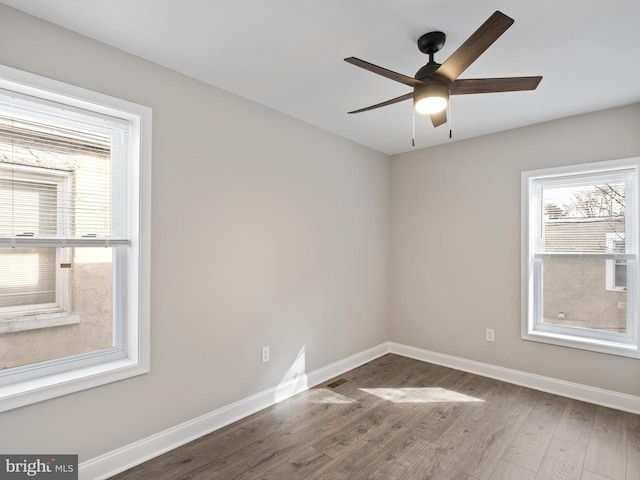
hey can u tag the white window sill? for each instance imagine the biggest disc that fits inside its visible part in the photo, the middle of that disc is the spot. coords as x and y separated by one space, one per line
595 345
112 368
33 322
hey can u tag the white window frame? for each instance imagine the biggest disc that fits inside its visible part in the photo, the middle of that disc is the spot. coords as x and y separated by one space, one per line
130 357
29 317
533 329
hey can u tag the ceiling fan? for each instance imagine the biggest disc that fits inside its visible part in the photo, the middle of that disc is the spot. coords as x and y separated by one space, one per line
434 82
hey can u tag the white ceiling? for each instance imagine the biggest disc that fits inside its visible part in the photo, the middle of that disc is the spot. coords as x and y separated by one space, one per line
288 55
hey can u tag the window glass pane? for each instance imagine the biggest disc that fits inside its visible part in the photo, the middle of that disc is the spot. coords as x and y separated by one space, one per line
579 218
56 180
92 149
621 274
92 283
574 295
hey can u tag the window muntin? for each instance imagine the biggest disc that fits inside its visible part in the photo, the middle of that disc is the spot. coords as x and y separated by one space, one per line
104 223
579 231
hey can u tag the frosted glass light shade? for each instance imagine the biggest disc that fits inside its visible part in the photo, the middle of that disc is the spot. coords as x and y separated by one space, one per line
431 105
431 99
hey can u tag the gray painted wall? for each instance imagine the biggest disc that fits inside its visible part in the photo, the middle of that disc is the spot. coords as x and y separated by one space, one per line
265 231
455 244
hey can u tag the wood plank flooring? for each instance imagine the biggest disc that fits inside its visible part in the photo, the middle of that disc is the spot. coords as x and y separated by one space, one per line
397 418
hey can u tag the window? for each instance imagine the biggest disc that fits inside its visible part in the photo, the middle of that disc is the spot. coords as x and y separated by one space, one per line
74 238
580 256
34 293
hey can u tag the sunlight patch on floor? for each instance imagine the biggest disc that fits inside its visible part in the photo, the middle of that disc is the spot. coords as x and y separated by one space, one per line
324 395
420 395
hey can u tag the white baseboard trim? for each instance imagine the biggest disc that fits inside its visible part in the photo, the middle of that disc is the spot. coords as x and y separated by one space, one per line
597 396
121 459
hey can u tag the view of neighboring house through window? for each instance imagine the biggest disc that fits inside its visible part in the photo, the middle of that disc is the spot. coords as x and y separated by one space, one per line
70 248
616 269
30 281
55 191
580 284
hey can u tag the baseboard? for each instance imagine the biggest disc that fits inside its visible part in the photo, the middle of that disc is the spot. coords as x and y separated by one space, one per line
119 460
126 457
597 396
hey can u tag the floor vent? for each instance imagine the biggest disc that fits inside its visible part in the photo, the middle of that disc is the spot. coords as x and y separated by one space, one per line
337 383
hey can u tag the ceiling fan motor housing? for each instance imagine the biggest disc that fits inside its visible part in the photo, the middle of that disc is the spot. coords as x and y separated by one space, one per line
430 43
425 72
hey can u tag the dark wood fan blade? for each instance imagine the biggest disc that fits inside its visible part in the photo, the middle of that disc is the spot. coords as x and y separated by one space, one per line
384 104
476 44
439 118
491 85
398 77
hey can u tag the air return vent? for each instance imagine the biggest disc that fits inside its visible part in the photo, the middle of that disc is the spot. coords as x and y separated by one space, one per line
337 383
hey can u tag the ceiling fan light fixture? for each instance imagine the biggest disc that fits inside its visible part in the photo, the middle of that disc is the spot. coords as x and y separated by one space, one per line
434 82
430 99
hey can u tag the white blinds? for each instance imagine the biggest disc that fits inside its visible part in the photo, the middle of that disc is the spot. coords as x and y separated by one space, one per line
62 175
585 215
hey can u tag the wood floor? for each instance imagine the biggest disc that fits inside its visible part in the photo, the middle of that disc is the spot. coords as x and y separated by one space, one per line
397 418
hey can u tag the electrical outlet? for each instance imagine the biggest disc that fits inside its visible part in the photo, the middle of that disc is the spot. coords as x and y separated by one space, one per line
490 335
265 354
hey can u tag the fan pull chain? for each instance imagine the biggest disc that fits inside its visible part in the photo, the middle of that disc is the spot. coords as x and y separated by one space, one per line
413 135
450 124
